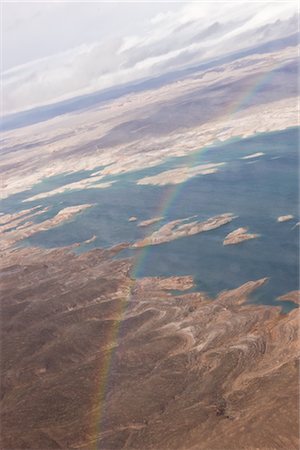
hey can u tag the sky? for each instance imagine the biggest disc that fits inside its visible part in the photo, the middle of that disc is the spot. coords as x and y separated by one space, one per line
52 51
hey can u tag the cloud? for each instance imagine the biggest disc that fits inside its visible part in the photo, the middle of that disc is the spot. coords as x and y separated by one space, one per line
169 40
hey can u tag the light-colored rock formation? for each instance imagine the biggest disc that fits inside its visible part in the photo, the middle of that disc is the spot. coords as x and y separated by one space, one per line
183 227
253 155
179 175
9 221
86 183
146 223
239 235
92 239
285 218
292 296
27 229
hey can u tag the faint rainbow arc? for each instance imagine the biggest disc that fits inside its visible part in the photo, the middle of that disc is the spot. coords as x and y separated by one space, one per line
162 210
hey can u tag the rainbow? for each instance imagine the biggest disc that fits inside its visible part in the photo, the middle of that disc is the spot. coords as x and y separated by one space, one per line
171 193
112 342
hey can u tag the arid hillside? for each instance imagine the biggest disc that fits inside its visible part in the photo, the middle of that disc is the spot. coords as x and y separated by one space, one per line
92 358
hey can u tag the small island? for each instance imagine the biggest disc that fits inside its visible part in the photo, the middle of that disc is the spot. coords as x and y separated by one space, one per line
180 174
183 227
89 241
285 218
239 235
253 155
146 223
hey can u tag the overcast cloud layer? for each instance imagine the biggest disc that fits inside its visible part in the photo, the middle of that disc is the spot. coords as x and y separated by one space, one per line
55 51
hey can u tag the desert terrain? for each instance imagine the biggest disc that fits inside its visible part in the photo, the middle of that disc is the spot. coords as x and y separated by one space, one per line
95 355
92 358
135 131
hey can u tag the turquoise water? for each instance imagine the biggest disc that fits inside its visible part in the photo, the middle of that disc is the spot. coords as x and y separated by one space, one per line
257 191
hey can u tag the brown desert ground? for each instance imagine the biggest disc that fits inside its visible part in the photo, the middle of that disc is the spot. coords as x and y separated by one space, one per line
92 358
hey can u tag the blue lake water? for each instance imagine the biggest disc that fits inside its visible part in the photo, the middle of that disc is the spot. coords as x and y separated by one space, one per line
256 190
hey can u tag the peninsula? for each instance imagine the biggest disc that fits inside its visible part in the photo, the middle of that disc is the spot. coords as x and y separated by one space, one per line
17 227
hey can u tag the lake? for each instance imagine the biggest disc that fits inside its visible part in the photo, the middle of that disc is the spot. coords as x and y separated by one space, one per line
257 190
